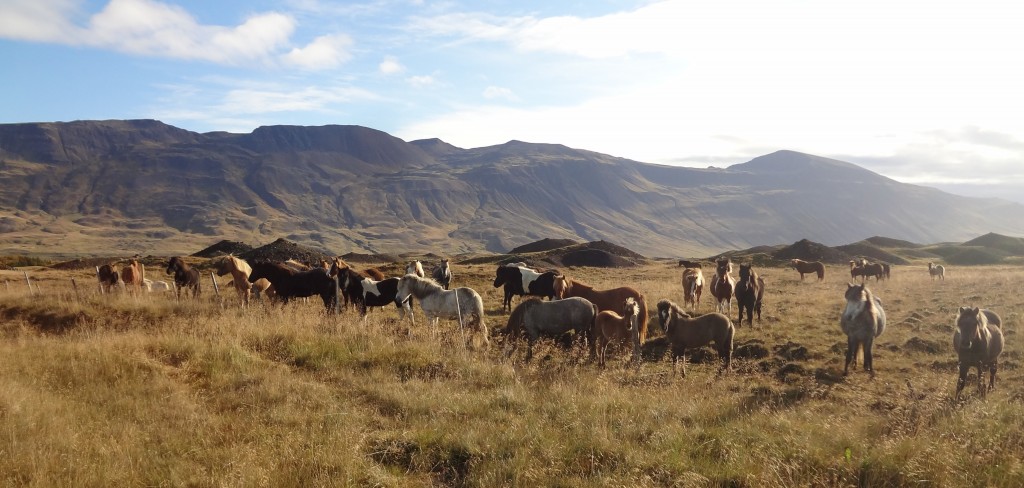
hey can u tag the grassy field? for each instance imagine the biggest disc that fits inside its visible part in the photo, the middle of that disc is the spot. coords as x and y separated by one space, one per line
124 391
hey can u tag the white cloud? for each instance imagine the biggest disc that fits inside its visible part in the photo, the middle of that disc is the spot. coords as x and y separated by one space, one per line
38 20
324 52
498 92
390 66
420 81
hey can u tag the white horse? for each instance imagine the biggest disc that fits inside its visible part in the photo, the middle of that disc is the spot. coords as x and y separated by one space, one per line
462 304
934 271
416 268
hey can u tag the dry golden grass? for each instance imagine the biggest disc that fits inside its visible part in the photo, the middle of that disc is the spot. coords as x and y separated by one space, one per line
124 391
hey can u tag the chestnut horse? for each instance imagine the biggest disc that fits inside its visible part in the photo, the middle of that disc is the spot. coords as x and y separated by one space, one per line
866 270
612 299
133 274
240 271
722 285
805 267
611 327
749 292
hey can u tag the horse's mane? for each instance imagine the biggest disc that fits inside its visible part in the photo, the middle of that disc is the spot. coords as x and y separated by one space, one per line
422 286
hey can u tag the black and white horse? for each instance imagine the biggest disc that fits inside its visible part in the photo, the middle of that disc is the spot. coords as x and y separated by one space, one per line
520 280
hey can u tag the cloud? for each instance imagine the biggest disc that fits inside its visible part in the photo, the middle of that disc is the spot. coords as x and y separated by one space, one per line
324 52
154 28
390 66
498 92
420 81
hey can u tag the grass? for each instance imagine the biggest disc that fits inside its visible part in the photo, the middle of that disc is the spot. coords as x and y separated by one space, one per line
120 390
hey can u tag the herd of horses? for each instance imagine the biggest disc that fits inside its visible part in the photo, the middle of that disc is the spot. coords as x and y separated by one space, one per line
572 308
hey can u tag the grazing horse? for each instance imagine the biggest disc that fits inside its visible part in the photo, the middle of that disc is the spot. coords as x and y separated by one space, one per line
978 340
107 277
289 283
133 274
415 267
866 270
184 276
610 326
693 285
240 271
685 332
612 299
442 274
535 317
462 304
863 320
722 285
805 267
936 270
520 280
749 292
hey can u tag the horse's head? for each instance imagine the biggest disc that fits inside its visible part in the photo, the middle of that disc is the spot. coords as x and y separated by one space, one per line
664 313
857 297
561 286
631 311
724 266
970 322
501 275
173 265
745 272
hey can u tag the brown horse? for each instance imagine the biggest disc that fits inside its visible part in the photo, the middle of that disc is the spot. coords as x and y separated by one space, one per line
866 270
107 277
693 285
722 285
240 271
610 326
978 341
805 267
612 299
749 292
184 276
685 332
133 274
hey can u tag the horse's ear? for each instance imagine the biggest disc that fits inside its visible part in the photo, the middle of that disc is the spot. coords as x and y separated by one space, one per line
849 285
976 311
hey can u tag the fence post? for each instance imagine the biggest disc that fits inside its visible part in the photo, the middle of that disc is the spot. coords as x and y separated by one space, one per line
74 285
29 283
216 287
337 296
98 283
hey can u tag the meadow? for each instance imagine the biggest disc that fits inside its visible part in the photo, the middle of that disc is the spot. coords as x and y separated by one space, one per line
145 391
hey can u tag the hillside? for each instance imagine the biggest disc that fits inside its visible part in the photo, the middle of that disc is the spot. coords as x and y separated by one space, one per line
141 186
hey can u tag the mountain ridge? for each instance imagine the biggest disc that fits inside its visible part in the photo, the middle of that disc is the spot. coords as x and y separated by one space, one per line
144 185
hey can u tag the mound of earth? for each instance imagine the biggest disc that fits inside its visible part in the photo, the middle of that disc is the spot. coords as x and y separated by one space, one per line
283 250
890 242
224 247
542 245
355 257
811 251
595 258
977 255
872 253
1011 245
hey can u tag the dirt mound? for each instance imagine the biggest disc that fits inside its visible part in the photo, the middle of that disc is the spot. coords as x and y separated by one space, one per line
890 242
283 250
811 251
595 258
872 253
224 247
355 257
542 245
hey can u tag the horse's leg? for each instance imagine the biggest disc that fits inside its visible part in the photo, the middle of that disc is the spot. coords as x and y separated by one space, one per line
962 380
851 354
868 366
992 375
981 378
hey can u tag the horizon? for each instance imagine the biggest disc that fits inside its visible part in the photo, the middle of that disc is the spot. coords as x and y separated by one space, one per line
928 98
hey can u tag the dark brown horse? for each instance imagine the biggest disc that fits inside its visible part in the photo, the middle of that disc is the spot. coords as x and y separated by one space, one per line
107 277
612 299
685 332
347 275
749 291
866 270
289 283
722 285
978 341
805 267
184 276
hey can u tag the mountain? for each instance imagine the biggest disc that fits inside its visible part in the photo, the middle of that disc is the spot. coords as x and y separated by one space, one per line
141 186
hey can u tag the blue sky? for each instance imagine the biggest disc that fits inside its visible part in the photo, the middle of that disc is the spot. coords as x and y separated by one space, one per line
923 92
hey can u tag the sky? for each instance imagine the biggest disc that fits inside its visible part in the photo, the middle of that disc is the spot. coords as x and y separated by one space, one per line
929 93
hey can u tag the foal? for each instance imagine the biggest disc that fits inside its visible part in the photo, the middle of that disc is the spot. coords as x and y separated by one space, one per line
610 326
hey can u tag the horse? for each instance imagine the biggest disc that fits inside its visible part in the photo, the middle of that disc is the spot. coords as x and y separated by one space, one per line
805 267
978 341
442 274
133 274
611 299
240 271
155 286
437 302
289 283
415 267
296 265
866 270
535 317
683 263
862 320
263 286
686 332
520 280
107 277
722 285
693 285
936 270
343 271
370 293
610 326
184 276
749 292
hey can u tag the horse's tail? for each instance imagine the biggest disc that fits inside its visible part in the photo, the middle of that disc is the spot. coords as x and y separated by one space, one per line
642 333
821 271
